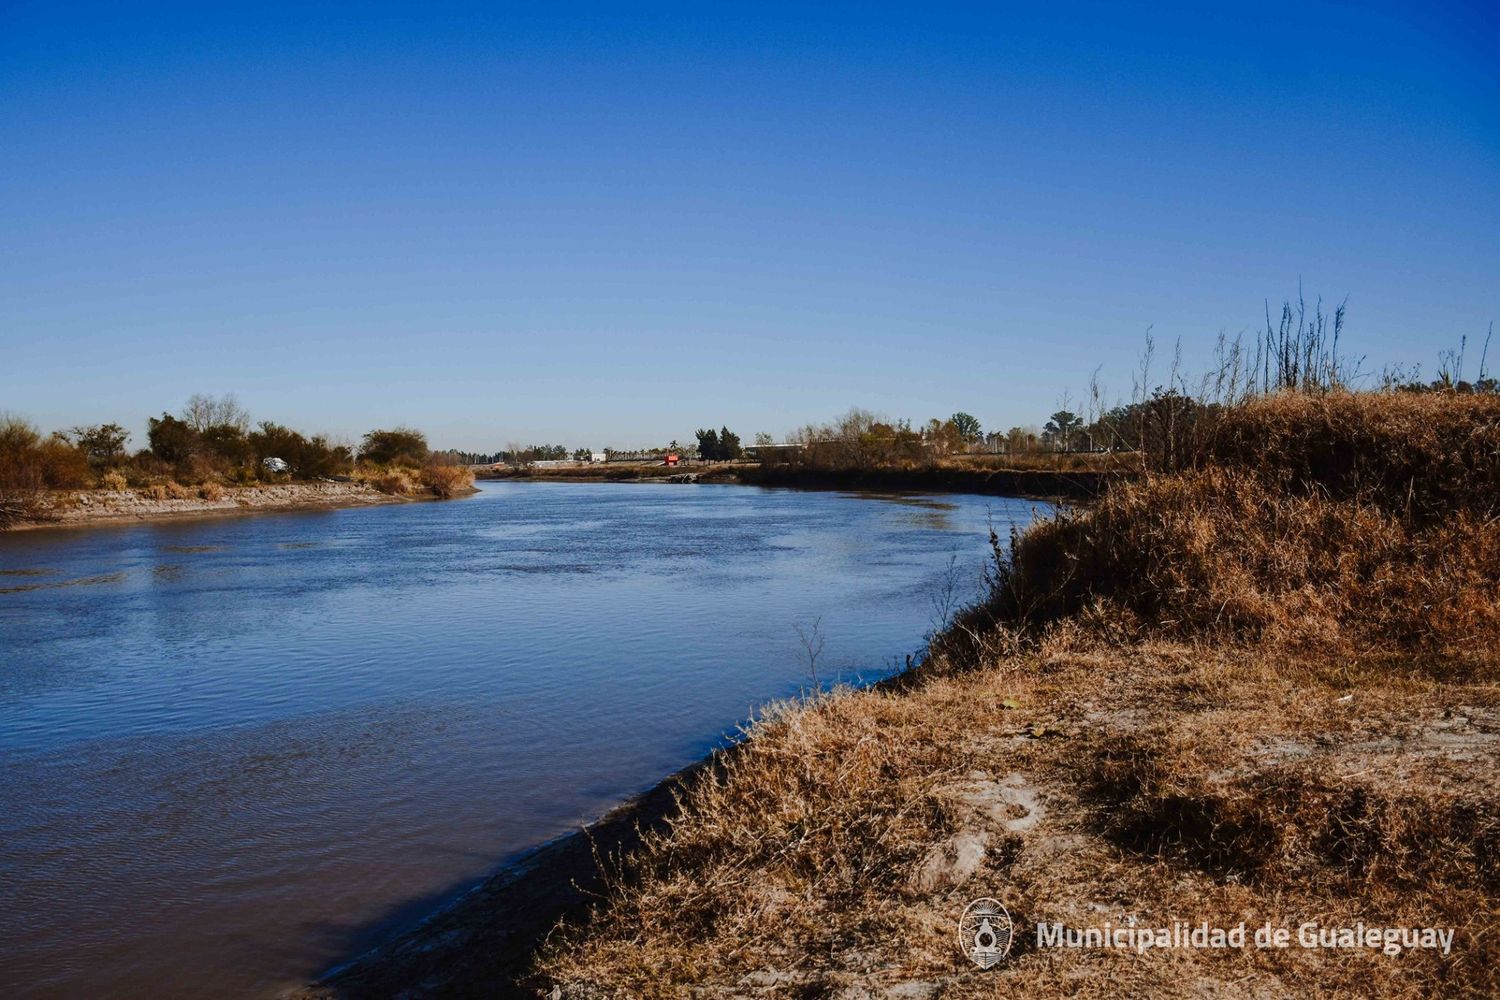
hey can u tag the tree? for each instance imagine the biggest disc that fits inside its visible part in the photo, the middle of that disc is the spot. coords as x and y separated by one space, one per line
1062 426
202 412
171 440
309 457
102 444
722 445
708 444
729 445
941 437
1019 440
762 439
398 446
227 443
968 426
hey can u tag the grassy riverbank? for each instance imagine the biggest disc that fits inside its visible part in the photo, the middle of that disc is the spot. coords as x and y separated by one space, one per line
1046 484
1261 689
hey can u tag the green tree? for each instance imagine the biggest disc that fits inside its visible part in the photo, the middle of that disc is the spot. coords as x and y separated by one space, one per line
708 444
398 446
729 445
968 426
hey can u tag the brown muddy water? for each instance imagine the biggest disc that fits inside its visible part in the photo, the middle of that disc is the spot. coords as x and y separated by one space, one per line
236 752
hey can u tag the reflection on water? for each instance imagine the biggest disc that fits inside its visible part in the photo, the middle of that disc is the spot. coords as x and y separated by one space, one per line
234 751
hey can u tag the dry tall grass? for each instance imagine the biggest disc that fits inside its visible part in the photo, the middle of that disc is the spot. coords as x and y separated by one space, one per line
1264 688
440 479
444 479
1338 520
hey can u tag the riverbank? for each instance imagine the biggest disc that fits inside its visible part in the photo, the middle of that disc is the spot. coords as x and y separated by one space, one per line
483 943
1035 484
614 472
1262 692
92 508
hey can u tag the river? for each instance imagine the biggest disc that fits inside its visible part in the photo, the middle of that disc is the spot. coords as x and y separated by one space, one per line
236 750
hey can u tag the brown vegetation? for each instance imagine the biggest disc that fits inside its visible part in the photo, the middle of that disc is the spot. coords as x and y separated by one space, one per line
1261 686
1335 520
444 478
196 455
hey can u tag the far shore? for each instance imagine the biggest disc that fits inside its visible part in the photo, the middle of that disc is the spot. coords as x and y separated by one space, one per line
1036 484
99 508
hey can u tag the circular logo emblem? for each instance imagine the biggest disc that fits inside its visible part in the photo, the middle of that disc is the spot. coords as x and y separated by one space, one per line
984 932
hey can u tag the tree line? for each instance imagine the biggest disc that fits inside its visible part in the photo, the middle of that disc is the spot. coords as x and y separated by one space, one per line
211 442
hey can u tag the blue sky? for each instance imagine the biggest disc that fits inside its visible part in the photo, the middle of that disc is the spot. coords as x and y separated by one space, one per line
608 226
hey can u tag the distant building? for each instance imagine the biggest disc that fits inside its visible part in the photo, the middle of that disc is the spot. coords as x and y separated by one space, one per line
670 460
598 456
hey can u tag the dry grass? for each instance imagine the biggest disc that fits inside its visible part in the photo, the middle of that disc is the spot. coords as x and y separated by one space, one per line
833 855
1082 461
445 480
1419 456
1220 551
1265 689
394 482
436 478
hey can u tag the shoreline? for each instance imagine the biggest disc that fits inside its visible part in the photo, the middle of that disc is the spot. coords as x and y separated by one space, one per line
105 508
481 941
1029 484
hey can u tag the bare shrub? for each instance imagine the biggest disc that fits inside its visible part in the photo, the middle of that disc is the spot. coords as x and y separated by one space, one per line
203 412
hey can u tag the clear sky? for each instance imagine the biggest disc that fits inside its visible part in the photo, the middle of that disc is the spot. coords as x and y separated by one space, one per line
611 225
